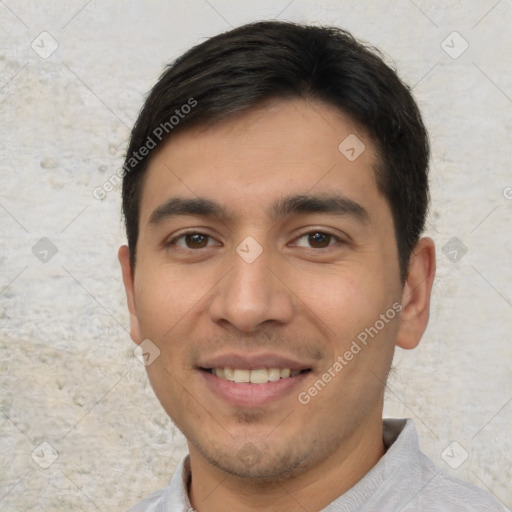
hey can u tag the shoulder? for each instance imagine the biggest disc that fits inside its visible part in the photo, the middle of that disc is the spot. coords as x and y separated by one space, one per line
411 481
442 492
153 503
171 498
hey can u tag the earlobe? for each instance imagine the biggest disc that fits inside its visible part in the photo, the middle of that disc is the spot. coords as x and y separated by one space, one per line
416 294
128 280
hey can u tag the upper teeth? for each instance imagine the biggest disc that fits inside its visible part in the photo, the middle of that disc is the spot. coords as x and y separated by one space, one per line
258 376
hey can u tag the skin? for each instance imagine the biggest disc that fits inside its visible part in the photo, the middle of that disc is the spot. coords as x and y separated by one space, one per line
299 298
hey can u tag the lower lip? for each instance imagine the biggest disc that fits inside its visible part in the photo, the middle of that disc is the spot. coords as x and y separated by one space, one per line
244 394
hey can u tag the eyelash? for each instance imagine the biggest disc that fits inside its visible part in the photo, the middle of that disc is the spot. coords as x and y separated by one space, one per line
316 231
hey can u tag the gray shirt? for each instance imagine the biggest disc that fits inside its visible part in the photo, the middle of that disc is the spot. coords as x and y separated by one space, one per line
403 480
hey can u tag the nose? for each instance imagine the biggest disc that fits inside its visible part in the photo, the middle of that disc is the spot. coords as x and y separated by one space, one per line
252 294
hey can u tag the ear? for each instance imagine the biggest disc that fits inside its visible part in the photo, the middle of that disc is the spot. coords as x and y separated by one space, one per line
416 294
126 267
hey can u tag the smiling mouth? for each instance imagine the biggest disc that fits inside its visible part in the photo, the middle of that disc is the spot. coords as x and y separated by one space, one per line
256 376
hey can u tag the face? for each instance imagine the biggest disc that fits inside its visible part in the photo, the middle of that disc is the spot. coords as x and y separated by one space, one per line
266 255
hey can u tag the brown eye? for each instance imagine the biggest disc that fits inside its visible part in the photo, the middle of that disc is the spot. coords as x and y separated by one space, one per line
319 240
196 240
193 240
316 240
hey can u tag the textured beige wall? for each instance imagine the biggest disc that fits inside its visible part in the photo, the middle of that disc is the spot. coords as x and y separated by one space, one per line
73 396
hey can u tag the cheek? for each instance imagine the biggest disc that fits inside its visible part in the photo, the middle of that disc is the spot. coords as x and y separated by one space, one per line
345 300
164 298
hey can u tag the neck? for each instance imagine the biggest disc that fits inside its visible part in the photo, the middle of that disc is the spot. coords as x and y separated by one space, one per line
212 489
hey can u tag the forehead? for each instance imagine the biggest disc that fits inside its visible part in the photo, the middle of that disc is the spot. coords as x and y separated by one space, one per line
283 148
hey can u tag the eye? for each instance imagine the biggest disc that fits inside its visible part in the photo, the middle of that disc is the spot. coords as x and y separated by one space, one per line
317 240
192 241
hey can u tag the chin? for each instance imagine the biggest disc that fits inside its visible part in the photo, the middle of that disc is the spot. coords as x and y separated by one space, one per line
263 464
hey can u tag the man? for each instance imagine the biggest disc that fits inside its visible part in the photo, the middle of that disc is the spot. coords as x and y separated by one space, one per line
275 191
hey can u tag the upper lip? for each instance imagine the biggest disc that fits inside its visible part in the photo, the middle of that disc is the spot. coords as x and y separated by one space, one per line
252 361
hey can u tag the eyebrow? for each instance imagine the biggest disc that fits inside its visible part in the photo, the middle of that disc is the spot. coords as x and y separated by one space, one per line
332 203
296 204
